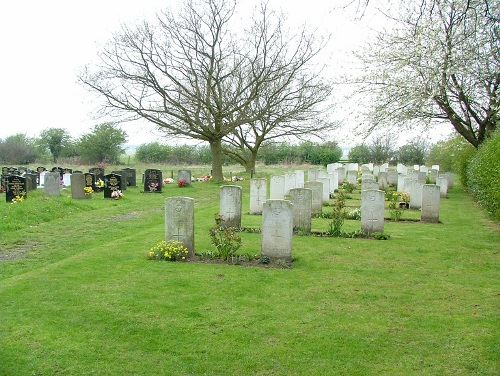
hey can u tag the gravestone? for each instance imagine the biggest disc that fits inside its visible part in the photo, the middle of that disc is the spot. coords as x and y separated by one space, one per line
442 182
41 178
369 184
341 174
123 176
77 186
433 176
112 183
98 172
325 197
422 177
392 177
153 180
66 178
277 230
317 195
15 187
334 180
290 182
352 177
179 221
31 180
258 195
382 180
372 211
401 183
230 205
52 183
184 175
450 176
401 169
376 170
89 180
299 178
301 198
415 191
435 167
131 176
430 203
277 187
312 174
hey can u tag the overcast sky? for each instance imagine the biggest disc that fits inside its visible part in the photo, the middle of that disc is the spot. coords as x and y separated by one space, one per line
46 43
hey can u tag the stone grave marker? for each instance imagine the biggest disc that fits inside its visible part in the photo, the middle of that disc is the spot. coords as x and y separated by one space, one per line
52 183
131 176
277 187
277 230
341 174
290 182
401 183
382 180
31 180
325 196
372 211
66 178
258 195
179 221
369 184
442 182
430 203
392 177
352 177
450 176
301 198
317 195
98 172
230 205
77 186
299 178
184 175
312 174
153 180
433 176
334 180
112 183
415 191
123 181
15 186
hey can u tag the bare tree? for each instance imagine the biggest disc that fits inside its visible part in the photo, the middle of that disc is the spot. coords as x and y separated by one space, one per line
192 77
298 107
439 63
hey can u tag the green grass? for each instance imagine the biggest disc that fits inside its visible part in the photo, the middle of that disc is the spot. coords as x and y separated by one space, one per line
78 295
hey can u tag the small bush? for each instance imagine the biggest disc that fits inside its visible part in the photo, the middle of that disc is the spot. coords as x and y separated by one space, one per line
483 175
168 251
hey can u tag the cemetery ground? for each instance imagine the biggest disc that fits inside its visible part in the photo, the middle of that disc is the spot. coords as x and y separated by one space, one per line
78 294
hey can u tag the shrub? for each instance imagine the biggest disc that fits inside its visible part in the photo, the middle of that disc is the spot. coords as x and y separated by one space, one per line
483 175
225 239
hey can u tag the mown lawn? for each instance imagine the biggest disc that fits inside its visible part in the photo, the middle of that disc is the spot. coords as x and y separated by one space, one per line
78 295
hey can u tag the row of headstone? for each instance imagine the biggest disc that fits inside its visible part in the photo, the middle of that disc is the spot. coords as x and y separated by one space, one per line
277 222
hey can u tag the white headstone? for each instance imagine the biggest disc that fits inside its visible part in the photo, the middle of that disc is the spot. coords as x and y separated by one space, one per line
392 177
299 178
341 174
258 195
184 175
277 229
317 195
179 221
301 198
230 205
442 182
401 183
352 177
415 191
334 180
67 179
382 180
326 189
290 182
450 176
277 187
430 203
372 211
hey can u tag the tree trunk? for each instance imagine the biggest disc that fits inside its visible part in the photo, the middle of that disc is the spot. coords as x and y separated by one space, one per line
250 163
216 149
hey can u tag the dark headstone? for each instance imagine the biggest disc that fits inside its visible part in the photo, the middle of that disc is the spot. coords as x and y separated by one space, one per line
153 180
123 186
112 182
131 176
90 180
16 187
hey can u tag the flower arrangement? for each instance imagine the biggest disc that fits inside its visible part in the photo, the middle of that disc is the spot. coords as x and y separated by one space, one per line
172 250
182 183
204 178
168 180
19 198
398 203
153 186
88 190
116 194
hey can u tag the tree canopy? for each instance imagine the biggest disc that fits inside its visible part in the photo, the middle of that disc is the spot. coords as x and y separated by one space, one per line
439 62
192 75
